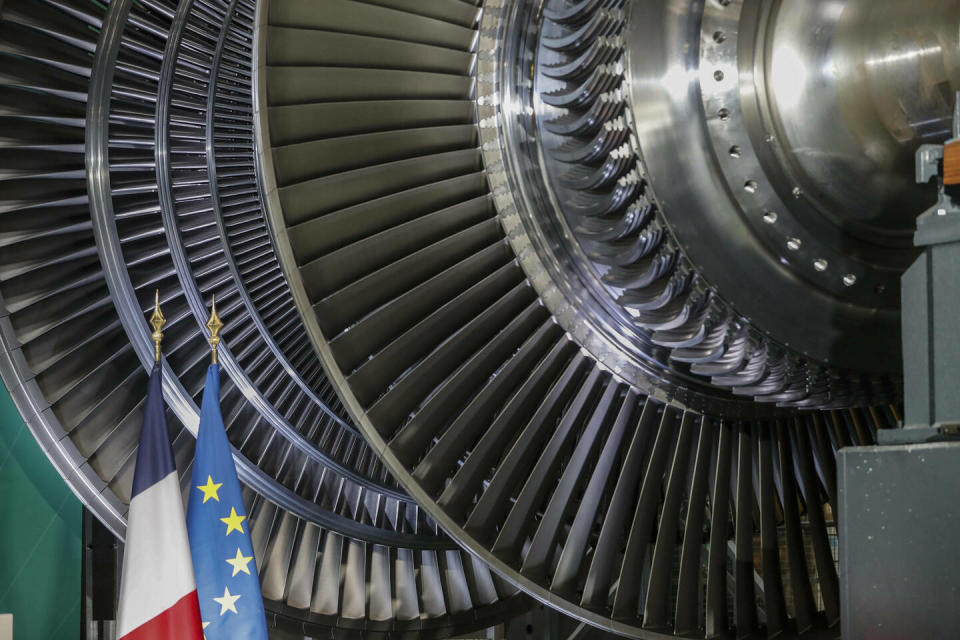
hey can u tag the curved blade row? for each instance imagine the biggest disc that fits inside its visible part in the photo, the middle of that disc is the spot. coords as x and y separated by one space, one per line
181 212
309 573
602 185
635 515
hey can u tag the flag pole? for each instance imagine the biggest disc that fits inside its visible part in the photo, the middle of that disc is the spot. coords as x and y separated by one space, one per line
158 591
228 586
157 321
214 324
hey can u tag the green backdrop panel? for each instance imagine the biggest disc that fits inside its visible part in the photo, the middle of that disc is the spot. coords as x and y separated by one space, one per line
40 537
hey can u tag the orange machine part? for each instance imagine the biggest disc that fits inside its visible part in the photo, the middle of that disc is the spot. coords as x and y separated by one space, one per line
951 163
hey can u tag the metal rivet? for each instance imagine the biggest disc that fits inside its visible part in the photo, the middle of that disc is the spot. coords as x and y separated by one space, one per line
750 186
724 114
770 217
719 36
849 280
735 151
820 264
794 244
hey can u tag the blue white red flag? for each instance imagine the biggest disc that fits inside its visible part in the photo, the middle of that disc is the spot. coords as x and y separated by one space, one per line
227 583
158 594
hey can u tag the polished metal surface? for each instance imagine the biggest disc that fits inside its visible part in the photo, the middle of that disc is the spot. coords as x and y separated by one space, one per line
853 89
590 146
812 112
819 111
668 157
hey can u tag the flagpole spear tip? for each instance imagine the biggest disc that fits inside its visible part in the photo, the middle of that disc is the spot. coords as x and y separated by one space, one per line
214 324
157 321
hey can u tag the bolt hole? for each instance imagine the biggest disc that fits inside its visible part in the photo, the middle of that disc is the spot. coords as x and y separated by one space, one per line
724 3
794 244
718 75
820 264
770 217
735 151
719 36
849 280
750 186
724 114
880 288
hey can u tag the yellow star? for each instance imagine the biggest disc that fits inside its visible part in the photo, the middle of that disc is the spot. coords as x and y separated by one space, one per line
210 490
227 602
234 522
240 563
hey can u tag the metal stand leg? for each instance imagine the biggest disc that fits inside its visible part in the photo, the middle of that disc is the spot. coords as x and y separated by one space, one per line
101 579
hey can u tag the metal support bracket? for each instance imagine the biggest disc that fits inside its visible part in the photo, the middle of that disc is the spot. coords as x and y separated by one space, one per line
931 305
897 502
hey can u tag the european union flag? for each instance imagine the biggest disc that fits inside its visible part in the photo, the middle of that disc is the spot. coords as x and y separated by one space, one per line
227 583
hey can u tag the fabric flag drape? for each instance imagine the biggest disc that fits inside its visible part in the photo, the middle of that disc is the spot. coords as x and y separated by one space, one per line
158 595
227 583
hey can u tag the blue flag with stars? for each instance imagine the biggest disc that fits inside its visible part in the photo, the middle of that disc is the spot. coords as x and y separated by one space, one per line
227 583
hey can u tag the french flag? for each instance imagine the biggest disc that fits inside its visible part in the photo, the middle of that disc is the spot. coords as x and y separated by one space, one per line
158 593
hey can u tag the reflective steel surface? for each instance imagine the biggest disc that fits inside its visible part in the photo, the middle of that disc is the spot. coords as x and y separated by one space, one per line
854 88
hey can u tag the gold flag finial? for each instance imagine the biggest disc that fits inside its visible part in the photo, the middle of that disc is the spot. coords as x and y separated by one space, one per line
157 321
214 324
